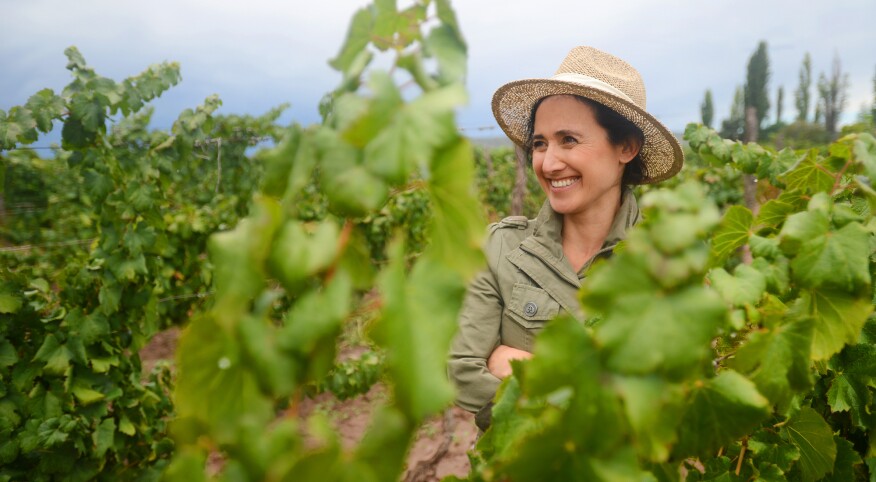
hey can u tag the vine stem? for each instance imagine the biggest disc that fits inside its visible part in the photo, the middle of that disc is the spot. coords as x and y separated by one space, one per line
741 456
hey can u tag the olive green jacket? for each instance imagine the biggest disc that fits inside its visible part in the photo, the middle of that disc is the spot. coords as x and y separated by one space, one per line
528 282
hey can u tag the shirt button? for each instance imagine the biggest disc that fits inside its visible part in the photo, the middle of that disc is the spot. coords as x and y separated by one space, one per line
530 309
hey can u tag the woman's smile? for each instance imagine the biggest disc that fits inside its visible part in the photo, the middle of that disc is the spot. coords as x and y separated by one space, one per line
559 184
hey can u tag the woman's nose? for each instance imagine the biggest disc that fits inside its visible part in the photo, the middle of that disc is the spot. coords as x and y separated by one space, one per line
552 160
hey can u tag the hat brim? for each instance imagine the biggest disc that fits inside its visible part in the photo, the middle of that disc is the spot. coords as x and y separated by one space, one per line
661 153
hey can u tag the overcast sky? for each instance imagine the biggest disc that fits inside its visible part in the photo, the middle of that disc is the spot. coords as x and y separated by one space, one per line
257 54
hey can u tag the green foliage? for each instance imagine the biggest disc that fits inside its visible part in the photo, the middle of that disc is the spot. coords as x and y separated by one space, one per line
118 222
287 276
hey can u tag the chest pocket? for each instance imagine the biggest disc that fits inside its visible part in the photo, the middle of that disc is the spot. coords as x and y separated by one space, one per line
531 307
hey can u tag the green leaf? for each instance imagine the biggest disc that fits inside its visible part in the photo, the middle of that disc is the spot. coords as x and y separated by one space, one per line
56 356
75 60
654 409
214 386
239 256
838 316
448 47
8 355
732 233
457 230
645 334
361 121
777 360
90 111
838 259
85 394
864 149
768 447
109 296
75 136
808 175
104 436
802 227
358 37
846 458
45 107
418 129
746 286
854 371
416 327
300 251
311 326
775 211
814 438
719 411
9 303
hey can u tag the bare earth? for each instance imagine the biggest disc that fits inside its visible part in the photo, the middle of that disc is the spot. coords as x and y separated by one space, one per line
441 443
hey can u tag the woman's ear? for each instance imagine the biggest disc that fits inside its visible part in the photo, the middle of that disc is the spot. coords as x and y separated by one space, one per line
630 149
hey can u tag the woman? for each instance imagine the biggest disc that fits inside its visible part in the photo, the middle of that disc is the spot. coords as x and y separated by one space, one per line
589 138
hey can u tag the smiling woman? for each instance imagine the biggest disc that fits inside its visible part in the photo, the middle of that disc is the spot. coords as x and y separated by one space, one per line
589 138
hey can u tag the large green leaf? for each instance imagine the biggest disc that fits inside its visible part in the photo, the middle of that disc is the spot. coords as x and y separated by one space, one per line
214 387
746 286
457 229
720 410
732 233
239 256
838 316
645 334
837 259
809 175
654 409
415 329
300 250
814 438
358 36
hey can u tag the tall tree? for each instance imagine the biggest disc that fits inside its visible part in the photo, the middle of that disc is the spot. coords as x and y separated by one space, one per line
757 78
801 95
733 127
707 109
780 99
873 105
832 93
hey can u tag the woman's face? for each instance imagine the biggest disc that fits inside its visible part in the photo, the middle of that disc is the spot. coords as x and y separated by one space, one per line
576 165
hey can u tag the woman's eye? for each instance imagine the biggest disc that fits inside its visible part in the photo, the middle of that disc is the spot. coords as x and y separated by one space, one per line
538 145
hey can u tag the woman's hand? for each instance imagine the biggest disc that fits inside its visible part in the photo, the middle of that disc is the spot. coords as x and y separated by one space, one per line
499 362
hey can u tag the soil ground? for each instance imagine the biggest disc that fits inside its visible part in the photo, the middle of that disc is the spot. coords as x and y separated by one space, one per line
441 444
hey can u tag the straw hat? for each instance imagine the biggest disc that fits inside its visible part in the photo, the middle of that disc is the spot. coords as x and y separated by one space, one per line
606 79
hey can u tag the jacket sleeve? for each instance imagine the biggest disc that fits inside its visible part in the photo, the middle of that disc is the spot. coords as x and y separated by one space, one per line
478 335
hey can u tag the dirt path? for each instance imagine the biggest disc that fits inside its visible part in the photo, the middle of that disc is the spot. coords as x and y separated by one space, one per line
441 443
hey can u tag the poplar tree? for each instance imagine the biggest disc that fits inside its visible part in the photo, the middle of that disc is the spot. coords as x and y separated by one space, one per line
832 92
780 99
757 78
801 95
707 109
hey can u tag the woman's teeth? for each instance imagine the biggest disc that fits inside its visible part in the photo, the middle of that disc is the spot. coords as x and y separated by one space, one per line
564 182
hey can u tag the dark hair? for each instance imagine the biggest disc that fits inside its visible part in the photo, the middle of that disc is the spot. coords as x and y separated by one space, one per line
620 131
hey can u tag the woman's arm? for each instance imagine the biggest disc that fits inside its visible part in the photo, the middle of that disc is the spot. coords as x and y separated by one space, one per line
479 323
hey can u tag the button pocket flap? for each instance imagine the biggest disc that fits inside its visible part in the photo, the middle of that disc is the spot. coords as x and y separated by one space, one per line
531 303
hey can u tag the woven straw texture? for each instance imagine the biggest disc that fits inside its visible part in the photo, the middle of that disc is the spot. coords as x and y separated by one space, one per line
512 106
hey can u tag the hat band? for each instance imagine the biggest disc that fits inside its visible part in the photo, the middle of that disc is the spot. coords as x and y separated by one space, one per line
595 83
